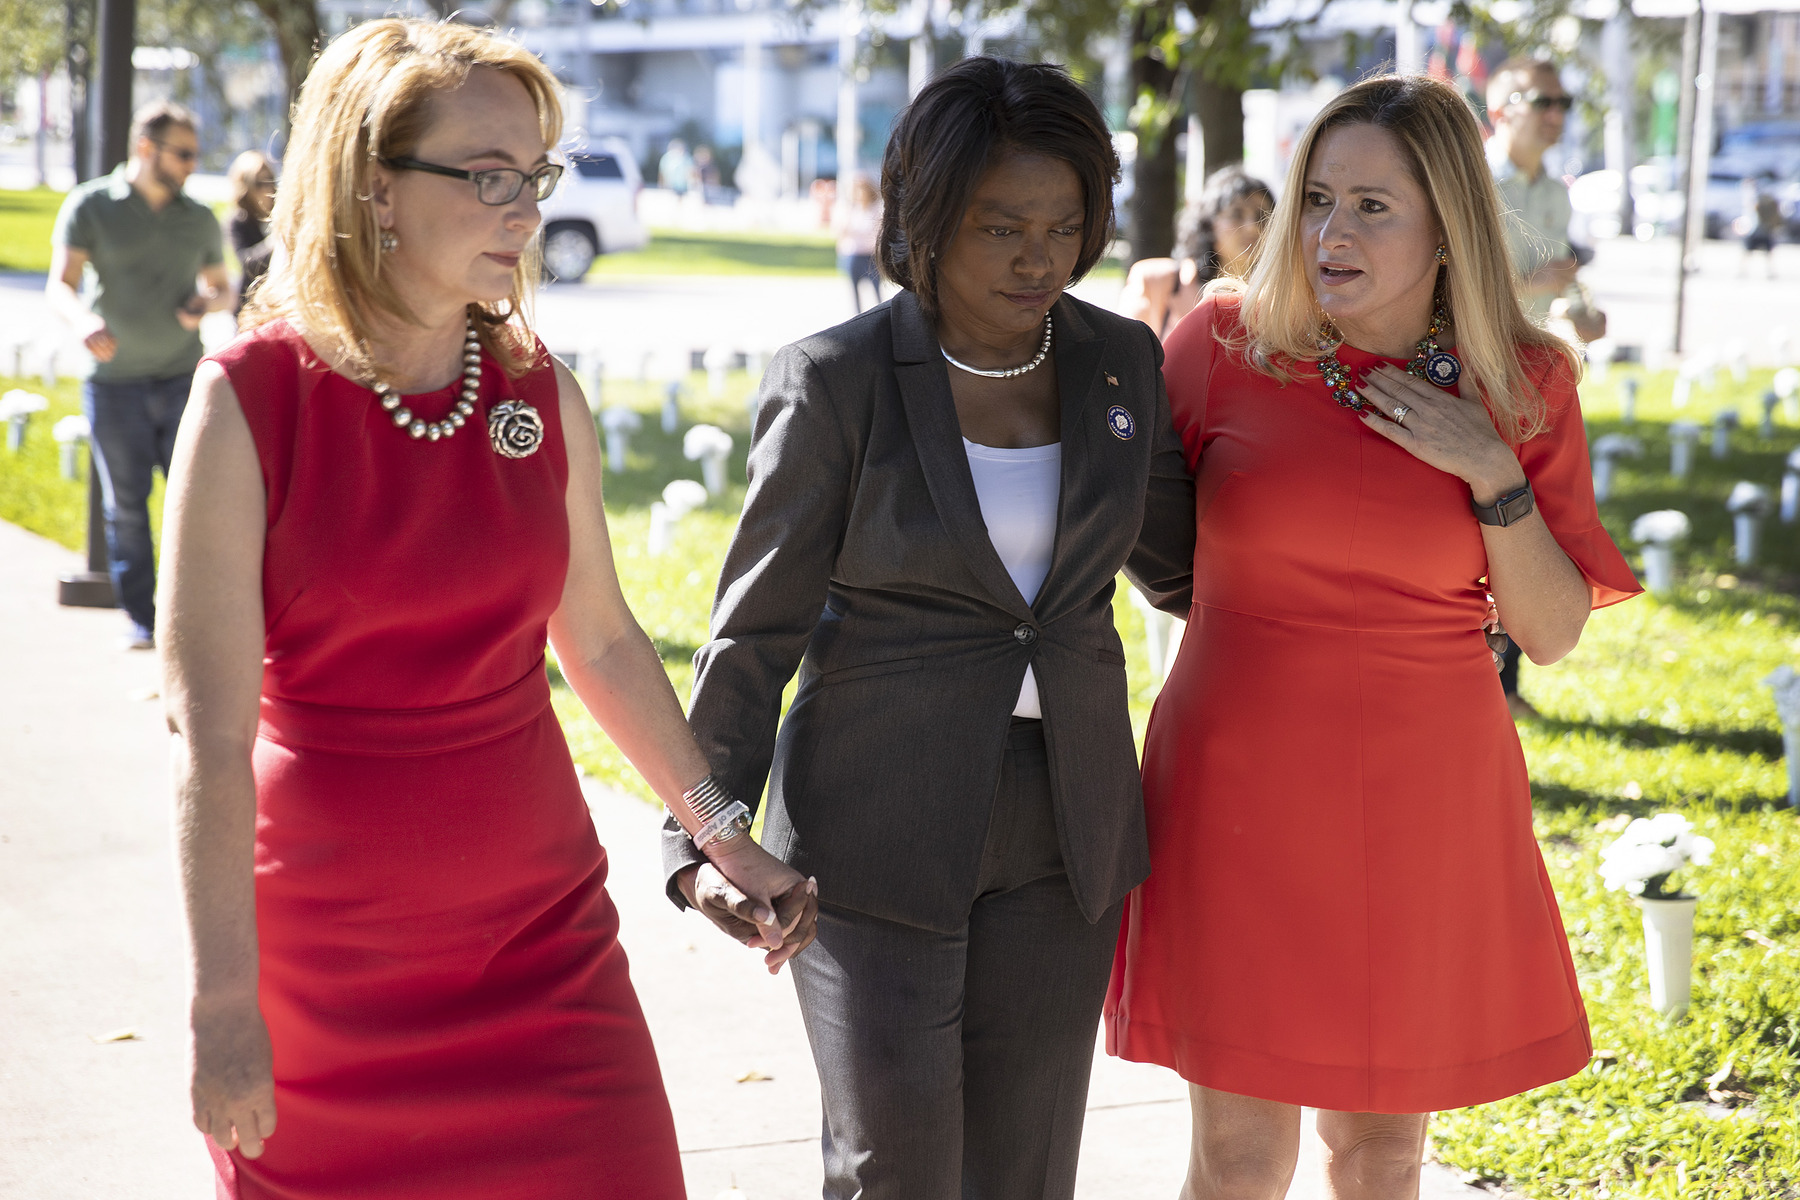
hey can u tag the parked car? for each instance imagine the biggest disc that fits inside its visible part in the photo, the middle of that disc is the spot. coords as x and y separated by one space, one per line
593 211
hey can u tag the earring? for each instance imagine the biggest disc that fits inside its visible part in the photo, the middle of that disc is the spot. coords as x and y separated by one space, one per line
390 242
1443 255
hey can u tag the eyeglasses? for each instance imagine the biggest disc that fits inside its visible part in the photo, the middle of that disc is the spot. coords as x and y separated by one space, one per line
181 152
1542 102
496 186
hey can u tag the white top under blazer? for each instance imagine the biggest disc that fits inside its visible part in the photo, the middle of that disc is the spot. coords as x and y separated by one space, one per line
1018 490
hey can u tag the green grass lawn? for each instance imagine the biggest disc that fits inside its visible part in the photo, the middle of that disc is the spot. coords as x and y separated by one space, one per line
1661 708
679 252
26 219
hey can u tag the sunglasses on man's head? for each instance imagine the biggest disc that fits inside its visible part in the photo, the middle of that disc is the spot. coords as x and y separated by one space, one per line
1542 102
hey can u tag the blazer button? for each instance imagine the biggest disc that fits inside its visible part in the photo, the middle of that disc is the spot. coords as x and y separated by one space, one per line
1025 635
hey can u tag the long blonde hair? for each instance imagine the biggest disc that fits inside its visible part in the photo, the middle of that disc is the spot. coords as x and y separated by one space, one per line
1441 142
367 98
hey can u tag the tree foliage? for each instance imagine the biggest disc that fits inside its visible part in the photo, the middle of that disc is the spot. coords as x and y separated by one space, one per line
31 39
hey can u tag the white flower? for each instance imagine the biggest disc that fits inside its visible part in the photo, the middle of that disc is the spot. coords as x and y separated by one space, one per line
1630 866
1663 527
1652 846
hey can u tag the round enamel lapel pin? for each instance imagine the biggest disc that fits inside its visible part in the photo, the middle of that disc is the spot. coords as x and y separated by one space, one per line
1120 422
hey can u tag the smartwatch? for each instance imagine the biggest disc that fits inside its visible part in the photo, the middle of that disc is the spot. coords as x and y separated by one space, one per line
1511 508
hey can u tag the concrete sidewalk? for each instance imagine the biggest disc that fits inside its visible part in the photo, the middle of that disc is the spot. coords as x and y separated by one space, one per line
92 951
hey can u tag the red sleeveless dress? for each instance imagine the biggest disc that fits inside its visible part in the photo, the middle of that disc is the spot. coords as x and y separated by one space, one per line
449 1006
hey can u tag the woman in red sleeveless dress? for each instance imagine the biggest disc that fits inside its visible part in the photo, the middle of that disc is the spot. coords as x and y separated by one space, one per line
386 498
1346 907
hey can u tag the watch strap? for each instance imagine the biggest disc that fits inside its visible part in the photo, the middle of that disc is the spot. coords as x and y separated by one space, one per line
1509 509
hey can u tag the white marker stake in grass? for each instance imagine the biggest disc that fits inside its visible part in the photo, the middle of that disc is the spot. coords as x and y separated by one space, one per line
1607 451
1628 390
680 497
1682 436
69 433
1785 683
671 408
16 409
1658 532
1787 386
710 446
1748 505
1790 489
619 423
1724 421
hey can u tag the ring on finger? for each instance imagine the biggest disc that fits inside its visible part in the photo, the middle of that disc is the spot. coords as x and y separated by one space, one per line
1400 411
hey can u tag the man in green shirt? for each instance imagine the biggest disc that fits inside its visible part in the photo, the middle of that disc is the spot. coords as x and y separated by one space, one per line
157 265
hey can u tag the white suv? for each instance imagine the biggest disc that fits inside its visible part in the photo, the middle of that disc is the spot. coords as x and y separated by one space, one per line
593 210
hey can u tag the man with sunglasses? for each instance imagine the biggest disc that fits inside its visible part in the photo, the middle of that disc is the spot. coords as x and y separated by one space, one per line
158 266
1528 106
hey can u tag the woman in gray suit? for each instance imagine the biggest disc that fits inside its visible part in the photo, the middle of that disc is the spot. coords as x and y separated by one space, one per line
942 493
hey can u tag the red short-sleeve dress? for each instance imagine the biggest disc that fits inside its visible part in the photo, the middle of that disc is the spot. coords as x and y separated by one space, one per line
1346 907
450 1010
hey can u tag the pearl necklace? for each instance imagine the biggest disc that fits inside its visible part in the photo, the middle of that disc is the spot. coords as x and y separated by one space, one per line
465 407
1010 371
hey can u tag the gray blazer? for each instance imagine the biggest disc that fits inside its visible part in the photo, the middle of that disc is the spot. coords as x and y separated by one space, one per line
861 560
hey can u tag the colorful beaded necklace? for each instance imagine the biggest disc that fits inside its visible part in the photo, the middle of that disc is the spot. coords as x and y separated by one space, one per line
1337 376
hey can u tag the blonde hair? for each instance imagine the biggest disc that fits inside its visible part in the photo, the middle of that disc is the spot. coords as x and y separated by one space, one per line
367 98
242 176
1441 142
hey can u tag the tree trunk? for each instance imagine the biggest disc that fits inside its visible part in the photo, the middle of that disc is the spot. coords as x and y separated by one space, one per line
1154 193
1221 111
297 34
79 15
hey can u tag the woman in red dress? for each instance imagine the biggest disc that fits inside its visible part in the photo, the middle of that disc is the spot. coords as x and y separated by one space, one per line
386 497
1346 907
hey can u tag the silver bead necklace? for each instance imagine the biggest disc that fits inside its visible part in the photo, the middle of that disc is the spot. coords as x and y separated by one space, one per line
1043 351
465 407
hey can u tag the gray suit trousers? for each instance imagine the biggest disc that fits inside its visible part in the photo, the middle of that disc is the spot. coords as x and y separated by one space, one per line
954 1066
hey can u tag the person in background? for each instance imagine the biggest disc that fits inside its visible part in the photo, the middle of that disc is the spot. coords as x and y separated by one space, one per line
706 171
1528 106
857 225
252 179
1762 224
158 266
1215 236
676 170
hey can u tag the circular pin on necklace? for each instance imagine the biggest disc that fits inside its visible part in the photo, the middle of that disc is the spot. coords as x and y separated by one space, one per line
1443 369
1119 421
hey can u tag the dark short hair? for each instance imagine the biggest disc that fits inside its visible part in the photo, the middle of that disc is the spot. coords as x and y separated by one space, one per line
152 120
957 126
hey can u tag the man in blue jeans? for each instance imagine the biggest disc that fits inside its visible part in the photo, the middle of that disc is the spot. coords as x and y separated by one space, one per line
158 267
